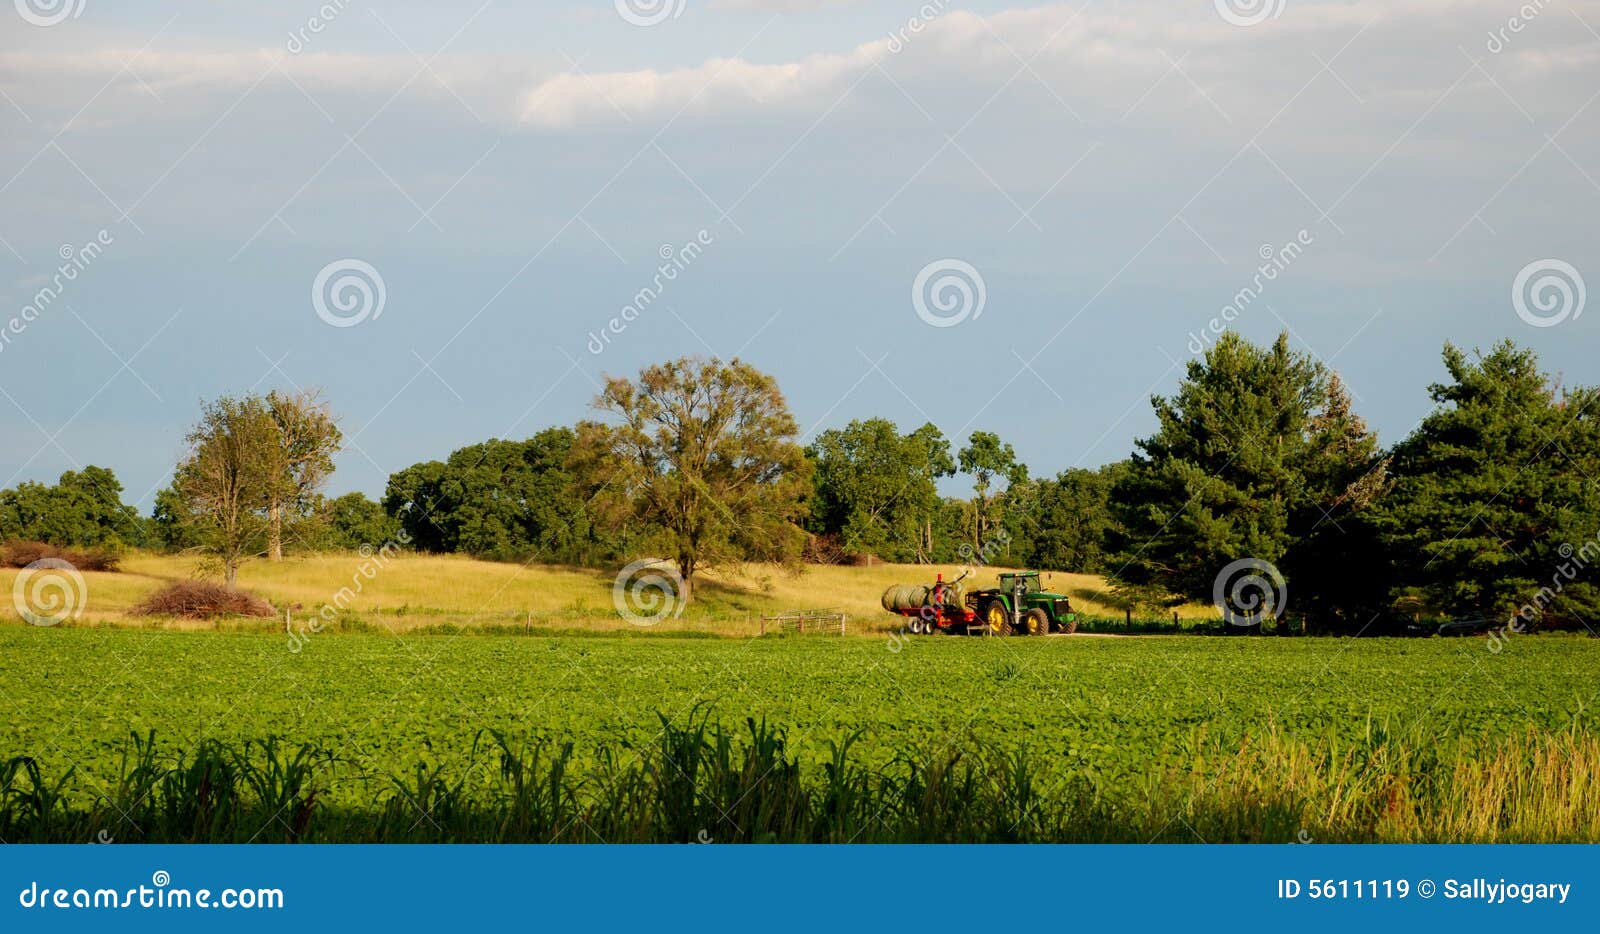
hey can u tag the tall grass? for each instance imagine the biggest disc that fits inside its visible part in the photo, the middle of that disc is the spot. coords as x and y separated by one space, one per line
422 592
702 781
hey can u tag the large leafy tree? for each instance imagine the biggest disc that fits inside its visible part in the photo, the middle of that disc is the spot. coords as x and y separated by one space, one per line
505 500
227 479
987 460
1068 524
877 489
1494 504
705 451
1258 455
307 439
170 526
353 521
84 508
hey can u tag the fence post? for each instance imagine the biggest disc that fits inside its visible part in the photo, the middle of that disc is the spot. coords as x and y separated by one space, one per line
1127 619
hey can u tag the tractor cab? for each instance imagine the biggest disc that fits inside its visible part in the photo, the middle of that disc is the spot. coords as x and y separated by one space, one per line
1021 582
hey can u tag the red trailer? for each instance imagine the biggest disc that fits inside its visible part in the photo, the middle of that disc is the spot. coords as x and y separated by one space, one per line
930 609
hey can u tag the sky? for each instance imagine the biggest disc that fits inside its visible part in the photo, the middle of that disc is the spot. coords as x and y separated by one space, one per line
1020 218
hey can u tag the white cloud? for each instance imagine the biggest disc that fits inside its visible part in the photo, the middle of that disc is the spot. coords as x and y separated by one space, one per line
719 85
1091 58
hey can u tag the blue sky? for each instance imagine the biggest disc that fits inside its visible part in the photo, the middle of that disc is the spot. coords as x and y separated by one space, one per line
1112 172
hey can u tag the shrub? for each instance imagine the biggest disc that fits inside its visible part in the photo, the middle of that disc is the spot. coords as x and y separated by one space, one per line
20 554
202 600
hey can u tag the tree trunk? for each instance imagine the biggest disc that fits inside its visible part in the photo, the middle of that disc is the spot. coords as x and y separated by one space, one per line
686 569
230 572
275 532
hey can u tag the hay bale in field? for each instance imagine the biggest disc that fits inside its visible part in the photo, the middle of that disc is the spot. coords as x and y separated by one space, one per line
903 597
955 595
19 554
202 600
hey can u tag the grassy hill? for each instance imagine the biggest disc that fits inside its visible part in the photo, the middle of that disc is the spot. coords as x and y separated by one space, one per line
411 592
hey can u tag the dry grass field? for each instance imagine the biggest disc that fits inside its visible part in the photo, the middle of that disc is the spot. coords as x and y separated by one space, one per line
411 592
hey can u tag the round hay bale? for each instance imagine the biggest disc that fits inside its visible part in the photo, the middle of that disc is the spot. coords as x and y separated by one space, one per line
902 597
955 595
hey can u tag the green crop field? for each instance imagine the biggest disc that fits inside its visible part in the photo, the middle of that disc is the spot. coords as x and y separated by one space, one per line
1120 737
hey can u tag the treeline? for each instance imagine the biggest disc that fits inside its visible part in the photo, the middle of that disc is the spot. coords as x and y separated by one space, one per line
84 509
1489 507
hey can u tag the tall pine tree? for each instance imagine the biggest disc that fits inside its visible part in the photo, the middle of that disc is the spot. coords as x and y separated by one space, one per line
1258 455
1495 506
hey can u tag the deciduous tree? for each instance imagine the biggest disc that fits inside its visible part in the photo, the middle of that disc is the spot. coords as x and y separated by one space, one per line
877 489
504 500
985 459
307 440
705 451
228 478
83 509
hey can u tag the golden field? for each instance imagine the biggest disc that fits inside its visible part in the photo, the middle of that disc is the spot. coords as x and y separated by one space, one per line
410 592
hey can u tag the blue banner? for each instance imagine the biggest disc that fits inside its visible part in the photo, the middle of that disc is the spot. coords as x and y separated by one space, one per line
810 888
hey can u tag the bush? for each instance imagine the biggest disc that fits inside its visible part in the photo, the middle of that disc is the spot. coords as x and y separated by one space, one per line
202 600
20 554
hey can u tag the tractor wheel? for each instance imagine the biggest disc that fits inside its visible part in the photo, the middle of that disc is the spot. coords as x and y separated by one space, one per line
996 618
1038 622
1069 626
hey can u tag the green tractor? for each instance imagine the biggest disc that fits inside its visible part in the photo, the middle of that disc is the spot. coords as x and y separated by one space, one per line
1021 605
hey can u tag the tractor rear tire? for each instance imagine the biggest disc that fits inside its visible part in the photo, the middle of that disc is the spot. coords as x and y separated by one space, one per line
996 619
1038 622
